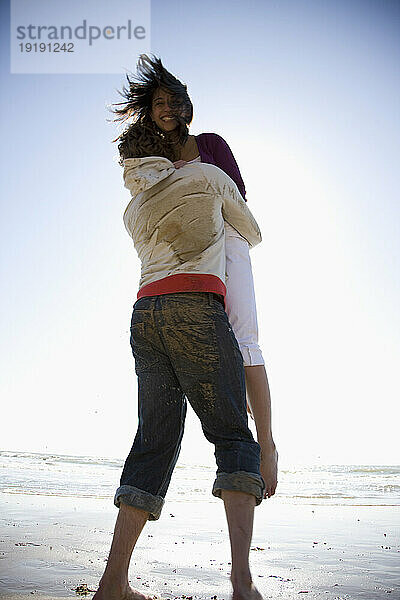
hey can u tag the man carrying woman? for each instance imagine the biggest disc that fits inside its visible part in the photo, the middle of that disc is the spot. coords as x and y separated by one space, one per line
181 338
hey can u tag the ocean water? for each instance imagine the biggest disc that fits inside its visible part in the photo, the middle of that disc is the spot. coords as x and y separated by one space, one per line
85 476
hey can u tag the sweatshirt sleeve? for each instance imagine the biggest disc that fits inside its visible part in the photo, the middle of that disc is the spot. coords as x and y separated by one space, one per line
236 212
225 160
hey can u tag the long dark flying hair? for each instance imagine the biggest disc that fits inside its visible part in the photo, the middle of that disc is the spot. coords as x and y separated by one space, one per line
142 137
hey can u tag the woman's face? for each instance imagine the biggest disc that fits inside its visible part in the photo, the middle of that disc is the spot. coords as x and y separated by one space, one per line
164 105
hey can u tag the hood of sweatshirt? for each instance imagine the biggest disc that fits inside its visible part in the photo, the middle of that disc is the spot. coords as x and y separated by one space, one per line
140 174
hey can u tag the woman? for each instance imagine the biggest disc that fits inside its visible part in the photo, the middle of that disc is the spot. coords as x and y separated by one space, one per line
161 104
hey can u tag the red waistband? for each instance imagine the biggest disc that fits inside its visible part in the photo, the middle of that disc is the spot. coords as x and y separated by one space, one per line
184 282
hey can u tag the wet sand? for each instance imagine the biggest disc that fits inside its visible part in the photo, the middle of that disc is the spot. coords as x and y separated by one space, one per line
56 547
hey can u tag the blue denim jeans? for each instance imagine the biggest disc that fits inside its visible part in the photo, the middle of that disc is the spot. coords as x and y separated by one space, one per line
184 348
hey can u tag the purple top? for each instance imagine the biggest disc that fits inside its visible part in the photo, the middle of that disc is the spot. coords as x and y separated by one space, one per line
215 151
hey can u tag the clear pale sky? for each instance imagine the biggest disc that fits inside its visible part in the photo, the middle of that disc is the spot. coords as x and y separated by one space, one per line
306 93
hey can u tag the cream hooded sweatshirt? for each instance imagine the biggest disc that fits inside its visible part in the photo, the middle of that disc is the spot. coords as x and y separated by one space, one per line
176 220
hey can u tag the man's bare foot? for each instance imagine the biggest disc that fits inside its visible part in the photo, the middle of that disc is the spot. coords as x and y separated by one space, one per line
246 593
126 593
269 469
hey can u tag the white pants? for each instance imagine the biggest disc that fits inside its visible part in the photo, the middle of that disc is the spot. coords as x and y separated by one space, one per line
240 301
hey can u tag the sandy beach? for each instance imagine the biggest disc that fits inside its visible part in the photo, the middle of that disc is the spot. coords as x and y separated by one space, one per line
55 547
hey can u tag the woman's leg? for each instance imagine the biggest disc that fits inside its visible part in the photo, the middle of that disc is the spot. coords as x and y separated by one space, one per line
240 306
259 399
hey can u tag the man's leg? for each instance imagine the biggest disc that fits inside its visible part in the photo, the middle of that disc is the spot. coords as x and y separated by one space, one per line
148 468
209 367
239 509
114 584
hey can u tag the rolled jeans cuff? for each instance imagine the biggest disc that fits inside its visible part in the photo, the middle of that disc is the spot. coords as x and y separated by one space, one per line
240 481
139 499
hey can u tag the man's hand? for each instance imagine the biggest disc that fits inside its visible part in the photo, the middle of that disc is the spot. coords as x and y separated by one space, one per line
179 163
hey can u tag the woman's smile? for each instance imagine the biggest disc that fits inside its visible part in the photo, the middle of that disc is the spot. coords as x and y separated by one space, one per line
164 101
